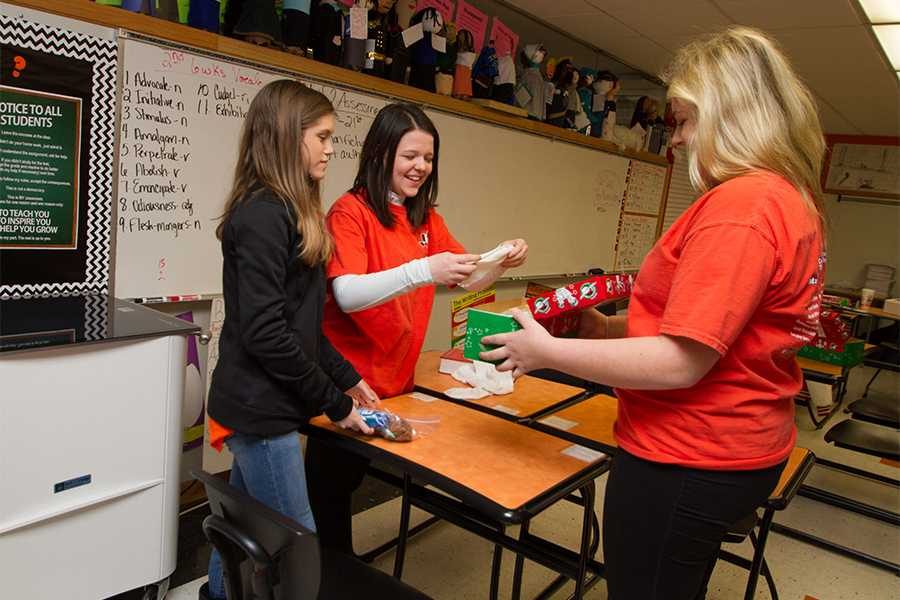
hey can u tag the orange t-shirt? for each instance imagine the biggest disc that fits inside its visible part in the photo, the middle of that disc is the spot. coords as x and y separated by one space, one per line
383 342
742 272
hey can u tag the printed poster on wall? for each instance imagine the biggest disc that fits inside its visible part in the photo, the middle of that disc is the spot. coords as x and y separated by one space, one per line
469 17
39 156
505 39
57 130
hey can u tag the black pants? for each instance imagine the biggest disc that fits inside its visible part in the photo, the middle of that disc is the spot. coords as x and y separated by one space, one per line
663 524
331 476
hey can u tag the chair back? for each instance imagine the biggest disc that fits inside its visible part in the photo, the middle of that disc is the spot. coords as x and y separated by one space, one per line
265 555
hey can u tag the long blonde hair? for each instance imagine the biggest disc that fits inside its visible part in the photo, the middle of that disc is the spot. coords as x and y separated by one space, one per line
269 155
752 112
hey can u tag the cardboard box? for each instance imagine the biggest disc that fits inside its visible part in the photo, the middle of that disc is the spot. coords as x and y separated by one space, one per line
459 313
453 359
892 305
850 355
489 319
835 331
559 310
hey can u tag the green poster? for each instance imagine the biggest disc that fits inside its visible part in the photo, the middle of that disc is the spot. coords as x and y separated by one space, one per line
39 147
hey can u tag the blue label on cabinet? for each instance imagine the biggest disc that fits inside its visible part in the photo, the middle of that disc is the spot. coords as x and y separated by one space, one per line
71 483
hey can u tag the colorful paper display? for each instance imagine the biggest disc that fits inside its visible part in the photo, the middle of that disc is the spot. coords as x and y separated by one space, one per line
505 39
476 22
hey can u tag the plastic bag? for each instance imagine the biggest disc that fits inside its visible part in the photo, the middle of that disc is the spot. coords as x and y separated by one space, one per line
388 425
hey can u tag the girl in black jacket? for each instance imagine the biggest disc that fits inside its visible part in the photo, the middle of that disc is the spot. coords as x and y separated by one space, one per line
276 369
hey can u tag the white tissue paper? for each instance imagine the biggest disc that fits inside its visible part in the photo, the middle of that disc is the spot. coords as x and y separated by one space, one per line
485 376
462 393
488 267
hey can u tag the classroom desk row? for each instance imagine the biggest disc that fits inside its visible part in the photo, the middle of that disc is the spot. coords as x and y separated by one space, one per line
487 464
496 466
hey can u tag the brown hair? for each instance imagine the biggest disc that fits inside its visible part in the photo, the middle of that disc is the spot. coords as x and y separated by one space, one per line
269 155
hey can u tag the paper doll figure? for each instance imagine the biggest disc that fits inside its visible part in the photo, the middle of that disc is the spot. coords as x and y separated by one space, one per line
564 77
383 29
295 22
327 31
465 58
603 106
353 54
531 93
484 71
257 22
505 81
424 57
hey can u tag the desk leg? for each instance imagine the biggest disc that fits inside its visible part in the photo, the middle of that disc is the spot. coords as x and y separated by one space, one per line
495 567
404 528
587 493
520 563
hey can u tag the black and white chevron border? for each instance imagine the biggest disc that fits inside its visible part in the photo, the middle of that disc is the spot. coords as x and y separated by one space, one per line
96 317
101 54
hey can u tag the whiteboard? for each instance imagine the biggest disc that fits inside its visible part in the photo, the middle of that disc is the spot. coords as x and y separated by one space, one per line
495 183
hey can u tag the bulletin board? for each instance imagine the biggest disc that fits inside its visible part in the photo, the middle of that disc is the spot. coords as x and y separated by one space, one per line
862 166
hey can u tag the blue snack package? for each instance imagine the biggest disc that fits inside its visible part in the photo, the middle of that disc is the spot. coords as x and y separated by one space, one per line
388 425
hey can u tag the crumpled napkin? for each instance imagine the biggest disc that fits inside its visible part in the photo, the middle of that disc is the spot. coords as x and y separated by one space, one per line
485 380
488 268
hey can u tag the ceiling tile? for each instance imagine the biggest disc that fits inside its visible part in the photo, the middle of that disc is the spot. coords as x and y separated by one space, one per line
660 17
544 10
845 68
779 14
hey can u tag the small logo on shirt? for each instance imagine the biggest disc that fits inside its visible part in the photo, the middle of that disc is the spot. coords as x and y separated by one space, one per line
423 239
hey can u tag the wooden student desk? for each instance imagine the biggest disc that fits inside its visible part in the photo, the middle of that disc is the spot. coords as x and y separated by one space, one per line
531 397
589 423
829 374
498 473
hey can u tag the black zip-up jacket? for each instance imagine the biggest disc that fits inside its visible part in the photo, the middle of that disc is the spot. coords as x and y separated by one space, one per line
276 368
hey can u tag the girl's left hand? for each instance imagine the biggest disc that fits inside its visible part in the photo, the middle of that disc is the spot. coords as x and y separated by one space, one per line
363 395
522 351
517 255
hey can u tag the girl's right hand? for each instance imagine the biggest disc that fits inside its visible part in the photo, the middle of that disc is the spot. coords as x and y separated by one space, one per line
451 269
355 422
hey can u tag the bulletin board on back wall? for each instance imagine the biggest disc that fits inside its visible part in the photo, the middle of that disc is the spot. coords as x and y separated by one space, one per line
862 166
180 118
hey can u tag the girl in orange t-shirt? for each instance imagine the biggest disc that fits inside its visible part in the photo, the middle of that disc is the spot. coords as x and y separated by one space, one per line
705 369
391 249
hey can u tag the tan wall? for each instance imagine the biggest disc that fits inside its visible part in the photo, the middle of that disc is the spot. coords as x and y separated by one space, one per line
859 234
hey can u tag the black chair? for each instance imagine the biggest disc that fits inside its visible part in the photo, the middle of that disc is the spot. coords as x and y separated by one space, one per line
267 556
876 440
878 408
884 357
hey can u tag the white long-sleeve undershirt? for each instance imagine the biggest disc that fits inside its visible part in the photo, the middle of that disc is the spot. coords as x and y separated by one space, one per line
354 293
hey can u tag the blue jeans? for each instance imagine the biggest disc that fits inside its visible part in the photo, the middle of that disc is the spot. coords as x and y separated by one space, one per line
271 470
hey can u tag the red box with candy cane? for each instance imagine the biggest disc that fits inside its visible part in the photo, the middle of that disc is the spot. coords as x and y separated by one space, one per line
558 310
834 331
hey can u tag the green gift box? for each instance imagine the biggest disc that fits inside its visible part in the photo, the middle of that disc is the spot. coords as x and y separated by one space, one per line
483 323
851 356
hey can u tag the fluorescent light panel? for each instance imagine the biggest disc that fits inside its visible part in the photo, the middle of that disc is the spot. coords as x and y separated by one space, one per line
881 11
889 36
